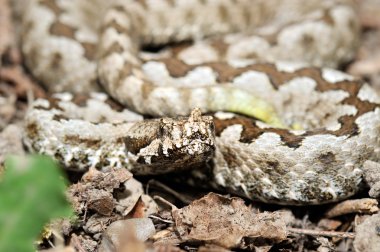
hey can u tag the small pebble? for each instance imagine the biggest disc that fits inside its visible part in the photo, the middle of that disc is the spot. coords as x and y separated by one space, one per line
123 230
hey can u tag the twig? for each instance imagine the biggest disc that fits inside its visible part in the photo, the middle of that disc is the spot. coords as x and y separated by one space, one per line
161 219
169 190
165 202
365 205
322 233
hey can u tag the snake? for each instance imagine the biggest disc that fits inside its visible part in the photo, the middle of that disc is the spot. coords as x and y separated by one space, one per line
242 94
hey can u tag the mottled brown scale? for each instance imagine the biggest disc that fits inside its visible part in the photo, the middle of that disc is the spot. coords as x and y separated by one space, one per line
231 157
56 60
114 48
307 40
247 16
172 3
60 29
227 73
78 140
251 131
327 17
32 130
118 27
114 105
81 100
273 164
220 46
176 68
59 118
327 158
52 5
89 50
137 140
223 12
302 168
146 90
53 104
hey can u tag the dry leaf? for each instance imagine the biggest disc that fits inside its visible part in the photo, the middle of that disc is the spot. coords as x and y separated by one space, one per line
226 221
95 191
145 206
130 195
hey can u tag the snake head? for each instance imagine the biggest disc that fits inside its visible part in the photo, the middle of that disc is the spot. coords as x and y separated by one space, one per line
171 144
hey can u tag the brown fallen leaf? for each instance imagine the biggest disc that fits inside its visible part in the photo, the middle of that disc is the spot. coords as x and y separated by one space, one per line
95 224
108 179
144 207
100 201
103 197
226 221
129 196
95 191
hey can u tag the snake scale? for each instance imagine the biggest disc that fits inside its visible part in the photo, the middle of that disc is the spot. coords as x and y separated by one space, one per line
281 127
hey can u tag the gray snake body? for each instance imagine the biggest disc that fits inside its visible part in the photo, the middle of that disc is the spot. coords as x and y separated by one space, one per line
257 54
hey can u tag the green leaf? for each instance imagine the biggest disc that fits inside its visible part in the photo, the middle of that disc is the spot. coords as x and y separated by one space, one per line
32 192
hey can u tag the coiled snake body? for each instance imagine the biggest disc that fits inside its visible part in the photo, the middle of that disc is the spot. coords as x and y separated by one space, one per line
247 55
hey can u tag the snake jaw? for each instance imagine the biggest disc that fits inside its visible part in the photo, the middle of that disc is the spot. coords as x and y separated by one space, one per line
178 144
